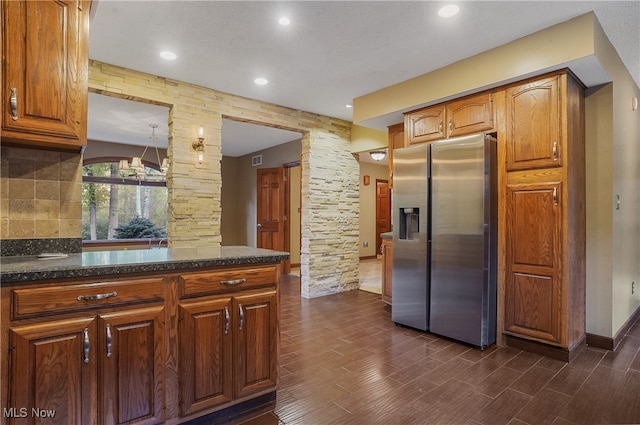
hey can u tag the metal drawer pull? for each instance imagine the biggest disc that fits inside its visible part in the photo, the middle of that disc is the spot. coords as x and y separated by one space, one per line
451 125
97 296
108 340
233 282
555 151
382 249
440 127
14 104
555 196
241 318
227 320
86 345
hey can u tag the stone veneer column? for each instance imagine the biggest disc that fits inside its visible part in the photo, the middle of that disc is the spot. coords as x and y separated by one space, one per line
194 187
330 173
330 215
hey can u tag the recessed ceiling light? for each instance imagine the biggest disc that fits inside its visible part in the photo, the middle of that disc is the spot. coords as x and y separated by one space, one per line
168 55
284 21
448 11
348 106
261 81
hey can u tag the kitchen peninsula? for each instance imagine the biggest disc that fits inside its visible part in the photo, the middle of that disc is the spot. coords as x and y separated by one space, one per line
140 336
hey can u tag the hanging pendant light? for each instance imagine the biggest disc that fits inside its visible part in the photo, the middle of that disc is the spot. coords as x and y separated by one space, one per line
135 170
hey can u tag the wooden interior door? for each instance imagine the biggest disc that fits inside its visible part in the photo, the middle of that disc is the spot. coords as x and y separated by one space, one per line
383 211
270 208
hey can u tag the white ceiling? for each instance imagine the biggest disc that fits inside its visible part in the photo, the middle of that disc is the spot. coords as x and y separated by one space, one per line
331 53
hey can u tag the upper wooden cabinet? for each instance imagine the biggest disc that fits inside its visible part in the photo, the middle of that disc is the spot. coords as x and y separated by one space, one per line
395 141
45 73
534 120
467 115
425 125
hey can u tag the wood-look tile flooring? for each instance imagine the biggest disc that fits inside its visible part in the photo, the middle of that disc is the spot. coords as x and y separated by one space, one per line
344 362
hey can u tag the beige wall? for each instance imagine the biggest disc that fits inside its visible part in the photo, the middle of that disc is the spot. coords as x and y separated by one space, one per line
329 251
367 139
239 191
612 139
368 207
294 208
622 225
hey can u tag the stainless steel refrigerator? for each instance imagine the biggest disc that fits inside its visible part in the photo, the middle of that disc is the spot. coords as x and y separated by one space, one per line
444 232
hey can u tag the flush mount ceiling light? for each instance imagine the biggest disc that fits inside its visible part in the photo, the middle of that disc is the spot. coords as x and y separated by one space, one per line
261 81
167 55
377 155
348 105
448 11
284 21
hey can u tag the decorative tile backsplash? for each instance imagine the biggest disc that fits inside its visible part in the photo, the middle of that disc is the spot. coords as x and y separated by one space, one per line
40 194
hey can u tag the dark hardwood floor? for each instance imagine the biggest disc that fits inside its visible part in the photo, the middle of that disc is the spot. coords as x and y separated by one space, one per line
344 362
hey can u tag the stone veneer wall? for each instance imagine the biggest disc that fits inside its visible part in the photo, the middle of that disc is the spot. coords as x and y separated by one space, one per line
329 257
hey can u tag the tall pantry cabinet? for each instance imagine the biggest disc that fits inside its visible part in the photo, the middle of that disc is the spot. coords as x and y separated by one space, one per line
544 211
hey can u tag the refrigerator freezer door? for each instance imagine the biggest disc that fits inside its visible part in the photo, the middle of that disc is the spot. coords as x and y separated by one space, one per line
462 225
410 291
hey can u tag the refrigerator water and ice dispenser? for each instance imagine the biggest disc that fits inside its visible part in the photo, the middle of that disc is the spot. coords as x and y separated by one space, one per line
409 223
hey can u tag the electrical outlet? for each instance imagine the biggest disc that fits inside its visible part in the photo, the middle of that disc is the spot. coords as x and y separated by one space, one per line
365 244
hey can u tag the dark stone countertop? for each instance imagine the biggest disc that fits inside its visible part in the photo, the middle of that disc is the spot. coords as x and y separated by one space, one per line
386 235
26 269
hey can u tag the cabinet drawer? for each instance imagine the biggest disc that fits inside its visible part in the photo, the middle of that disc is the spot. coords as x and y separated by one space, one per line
59 299
193 284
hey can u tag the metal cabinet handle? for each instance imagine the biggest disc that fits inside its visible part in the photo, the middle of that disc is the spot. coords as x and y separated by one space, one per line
14 104
555 196
259 225
555 151
382 249
108 340
440 127
451 125
233 282
97 296
241 317
85 341
227 320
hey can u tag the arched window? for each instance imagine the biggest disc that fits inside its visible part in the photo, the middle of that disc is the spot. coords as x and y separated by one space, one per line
122 206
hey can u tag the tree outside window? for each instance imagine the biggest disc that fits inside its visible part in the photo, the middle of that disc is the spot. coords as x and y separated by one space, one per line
114 207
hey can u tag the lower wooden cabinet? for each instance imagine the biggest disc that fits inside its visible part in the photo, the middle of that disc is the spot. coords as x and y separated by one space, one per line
131 359
205 354
53 369
150 350
228 348
387 269
533 293
105 369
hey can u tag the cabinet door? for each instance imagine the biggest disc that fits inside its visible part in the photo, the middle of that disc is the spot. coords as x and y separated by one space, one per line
255 346
52 370
533 288
395 140
425 125
205 363
387 269
470 115
45 78
533 125
131 359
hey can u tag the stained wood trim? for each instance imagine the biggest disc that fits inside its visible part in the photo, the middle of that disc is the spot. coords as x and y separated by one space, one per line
609 343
